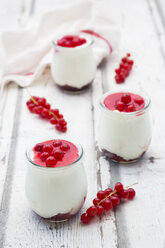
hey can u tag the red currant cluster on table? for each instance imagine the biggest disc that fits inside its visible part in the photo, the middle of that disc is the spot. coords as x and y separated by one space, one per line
51 154
39 106
107 200
71 41
124 69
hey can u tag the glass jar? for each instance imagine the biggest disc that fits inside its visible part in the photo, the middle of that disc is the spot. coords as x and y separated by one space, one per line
124 136
58 193
73 68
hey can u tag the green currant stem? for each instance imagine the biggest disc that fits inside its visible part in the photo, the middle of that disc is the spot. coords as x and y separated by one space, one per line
112 193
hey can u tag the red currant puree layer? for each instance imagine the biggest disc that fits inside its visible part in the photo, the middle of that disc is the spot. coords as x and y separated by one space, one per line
55 153
124 102
71 41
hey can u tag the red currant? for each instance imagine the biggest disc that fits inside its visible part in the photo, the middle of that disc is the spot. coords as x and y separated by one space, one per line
50 161
131 193
100 210
130 108
107 204
92 211
58 154
64 147
139 101
47 148
108 191
119 187
85 218
120 106
38 147
44 156
57 143
115 200
101 194
126 98
96 201
53 121
124 194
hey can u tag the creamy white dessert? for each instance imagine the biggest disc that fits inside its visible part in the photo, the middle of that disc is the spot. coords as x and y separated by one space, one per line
56 191
124 132
73 66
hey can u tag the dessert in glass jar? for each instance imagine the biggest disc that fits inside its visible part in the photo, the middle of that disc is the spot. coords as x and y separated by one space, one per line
124 130
73 67
56 184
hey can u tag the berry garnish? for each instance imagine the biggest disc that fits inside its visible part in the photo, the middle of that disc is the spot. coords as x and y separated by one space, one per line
58 154
130 108
38 147
57 143
47 148
120 106
40 107
71 41
50 161
105 201
124 68
139 101
64 147
126 98
44 156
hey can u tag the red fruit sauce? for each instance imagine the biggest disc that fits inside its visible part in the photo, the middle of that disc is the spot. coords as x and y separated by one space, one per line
69 150
71 41
124 102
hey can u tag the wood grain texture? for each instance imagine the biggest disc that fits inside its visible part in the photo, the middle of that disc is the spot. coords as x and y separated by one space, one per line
138 223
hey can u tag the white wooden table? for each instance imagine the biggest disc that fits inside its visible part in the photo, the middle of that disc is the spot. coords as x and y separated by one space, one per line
136 224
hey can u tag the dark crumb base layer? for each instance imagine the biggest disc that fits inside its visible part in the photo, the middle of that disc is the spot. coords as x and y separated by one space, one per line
119 159
59 217
74 89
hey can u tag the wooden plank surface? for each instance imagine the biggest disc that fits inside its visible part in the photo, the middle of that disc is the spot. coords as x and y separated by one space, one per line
138 223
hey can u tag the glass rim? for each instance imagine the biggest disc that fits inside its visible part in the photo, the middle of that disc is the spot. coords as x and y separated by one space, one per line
80 153
140 93
90 41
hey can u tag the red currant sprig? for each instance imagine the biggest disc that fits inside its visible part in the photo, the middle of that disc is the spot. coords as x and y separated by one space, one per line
39 105
124 69
107 200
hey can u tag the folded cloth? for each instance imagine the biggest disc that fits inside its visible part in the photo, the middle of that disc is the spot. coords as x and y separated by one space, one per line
25 54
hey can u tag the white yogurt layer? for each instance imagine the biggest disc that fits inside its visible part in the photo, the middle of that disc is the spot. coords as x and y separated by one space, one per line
53 191
74 67
127 135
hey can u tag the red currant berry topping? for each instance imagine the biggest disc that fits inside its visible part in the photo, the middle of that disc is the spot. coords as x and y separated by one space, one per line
128 54
126 98
92 211
47 148
108 191
100 210
115 200
44 156
107 204
139 101
53 121
64 147
131 193
117 79
119 187
36 98
57 143
124 60
85 218
131 108
130 62
58 154
55 112
101 194
96 201
50 161
124 194
38 147
120 106
117 71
